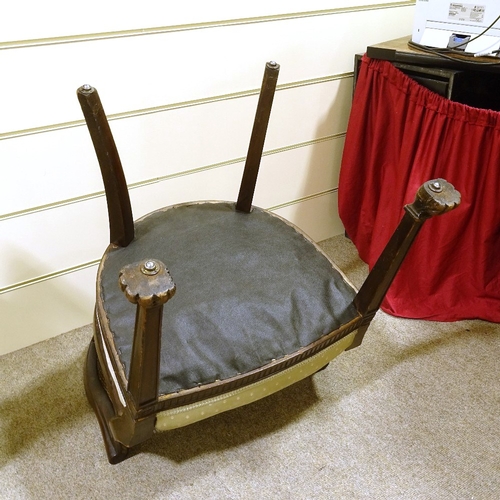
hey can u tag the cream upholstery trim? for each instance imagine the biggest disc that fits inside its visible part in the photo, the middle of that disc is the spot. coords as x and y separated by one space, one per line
111 369
185 415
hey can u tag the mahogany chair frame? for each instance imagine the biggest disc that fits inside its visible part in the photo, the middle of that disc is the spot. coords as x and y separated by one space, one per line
128 418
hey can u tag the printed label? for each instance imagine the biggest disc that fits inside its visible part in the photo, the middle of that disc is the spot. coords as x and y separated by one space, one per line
466 12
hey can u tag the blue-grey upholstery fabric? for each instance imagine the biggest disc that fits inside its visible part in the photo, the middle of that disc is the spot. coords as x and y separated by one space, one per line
250 289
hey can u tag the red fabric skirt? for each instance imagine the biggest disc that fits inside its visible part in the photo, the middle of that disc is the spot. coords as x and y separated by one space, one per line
400 135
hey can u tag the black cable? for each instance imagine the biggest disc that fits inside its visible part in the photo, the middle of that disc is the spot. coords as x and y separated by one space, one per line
480 34
446 53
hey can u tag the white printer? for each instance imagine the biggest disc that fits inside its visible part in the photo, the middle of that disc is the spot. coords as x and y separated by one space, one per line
444 24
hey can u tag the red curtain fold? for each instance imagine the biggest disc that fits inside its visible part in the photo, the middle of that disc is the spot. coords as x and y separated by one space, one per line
400 135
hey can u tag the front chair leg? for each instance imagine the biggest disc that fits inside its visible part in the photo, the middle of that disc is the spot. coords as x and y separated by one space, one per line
434 197
149 285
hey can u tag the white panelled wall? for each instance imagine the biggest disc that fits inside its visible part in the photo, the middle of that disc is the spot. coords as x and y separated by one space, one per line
179 82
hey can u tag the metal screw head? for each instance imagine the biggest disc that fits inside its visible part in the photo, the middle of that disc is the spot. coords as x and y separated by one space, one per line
150 267
436 186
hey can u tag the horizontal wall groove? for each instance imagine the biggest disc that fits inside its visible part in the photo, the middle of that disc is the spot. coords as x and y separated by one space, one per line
49 276
18 44
304 198
95 262
155 180
174 106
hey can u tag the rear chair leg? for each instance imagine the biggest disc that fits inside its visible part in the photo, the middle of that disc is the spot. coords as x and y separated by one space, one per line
121 223
256 146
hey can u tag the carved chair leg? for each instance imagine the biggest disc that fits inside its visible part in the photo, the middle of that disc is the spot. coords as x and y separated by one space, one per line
149 285
252 164
435 197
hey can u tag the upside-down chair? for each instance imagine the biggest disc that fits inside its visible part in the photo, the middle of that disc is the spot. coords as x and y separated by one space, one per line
253 304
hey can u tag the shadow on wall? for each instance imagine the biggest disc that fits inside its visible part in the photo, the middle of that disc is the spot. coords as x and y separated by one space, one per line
42 310
318 214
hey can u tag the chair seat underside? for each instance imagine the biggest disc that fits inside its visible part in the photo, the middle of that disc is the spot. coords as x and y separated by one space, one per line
194 412
251 289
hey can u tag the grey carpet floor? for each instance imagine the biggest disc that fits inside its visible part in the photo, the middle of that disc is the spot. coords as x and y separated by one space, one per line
411 414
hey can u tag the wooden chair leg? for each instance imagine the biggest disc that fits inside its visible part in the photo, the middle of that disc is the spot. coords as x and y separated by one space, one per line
149 285
121 222
435 197
252 164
